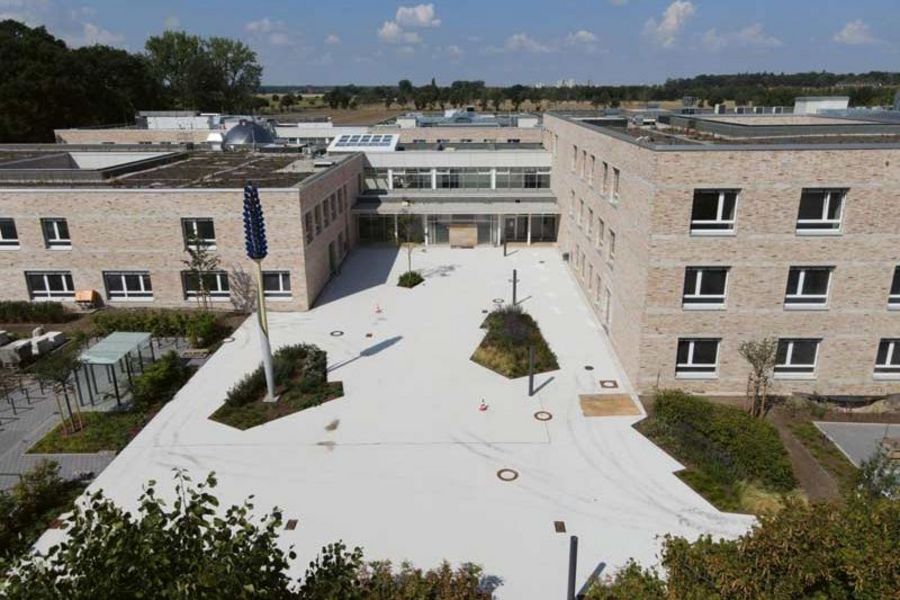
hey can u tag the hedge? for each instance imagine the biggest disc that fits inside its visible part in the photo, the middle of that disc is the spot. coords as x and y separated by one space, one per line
726 442
303 366
160 381
202 328
33 312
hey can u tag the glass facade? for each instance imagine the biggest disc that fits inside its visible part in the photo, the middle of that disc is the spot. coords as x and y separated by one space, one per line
492 229
472 178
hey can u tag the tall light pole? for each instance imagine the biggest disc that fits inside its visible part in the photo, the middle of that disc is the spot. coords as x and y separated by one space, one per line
257 249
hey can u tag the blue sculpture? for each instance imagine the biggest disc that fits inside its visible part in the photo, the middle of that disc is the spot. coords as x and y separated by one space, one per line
254 224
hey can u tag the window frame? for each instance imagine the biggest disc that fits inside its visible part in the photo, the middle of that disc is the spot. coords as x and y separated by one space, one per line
694 370
797 300
310 233
66 294
695 300
58 242
282 293
9 243
208 243
894 290
218 295
720 209
887 369
790 370
145 294
828 230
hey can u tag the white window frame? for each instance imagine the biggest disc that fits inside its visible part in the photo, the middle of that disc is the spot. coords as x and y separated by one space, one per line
785 371
828 227
690 369
590 223
612 246
9 243
580 217
888 369
593 166
215 295
720 209
208 243
797 300
601 231
66 294
701 301
894 298
616 182
607 308
574 157
126 295
281 293
57 242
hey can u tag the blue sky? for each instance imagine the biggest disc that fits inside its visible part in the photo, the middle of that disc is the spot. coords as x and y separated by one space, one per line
502 41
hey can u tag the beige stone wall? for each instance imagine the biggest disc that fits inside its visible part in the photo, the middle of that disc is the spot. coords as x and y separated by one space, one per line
654 246
140 229
131 136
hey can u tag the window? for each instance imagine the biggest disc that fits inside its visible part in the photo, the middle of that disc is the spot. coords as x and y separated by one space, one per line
9 237
713 212
277 284
215 283
796 358
612 244
127 285
607 307
704 287
572 204
887 361
308 226
820 211
318 216
601 226
605 177
590 223
583 164
415 179
518 178
697 358
324 206
894 297
807 287
56 233
375 179
580 211
590 277
598 290
574 157
591 171
334 212
615 184
50 285
201 230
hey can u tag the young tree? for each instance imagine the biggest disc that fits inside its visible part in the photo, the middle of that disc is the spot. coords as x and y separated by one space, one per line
761 355
55 370
200 263
410 234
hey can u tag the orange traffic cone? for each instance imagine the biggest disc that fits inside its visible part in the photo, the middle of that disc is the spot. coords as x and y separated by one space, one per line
483 406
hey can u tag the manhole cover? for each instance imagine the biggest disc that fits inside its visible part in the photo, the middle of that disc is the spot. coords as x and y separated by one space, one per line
228 340
507 475
337 333
291 524
498 300
609 384
559 526
543 415
588 368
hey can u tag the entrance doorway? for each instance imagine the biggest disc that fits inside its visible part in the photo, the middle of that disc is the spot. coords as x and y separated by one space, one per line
515 228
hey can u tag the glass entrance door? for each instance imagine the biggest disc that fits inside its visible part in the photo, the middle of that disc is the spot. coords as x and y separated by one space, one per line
515 228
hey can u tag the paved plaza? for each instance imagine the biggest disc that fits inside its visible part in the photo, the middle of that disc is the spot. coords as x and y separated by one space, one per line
405 464
858 441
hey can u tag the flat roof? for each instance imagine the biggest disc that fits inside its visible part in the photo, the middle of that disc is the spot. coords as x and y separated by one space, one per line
114 347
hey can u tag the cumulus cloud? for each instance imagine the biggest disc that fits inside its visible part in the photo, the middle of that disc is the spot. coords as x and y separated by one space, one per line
421 15
391 33
666 30
582 36
94 34
521 42
855 33
332 39
172 23
750 37
452 52
273 32
76 27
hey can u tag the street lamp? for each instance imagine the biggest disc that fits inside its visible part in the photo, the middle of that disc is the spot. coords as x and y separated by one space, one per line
257 249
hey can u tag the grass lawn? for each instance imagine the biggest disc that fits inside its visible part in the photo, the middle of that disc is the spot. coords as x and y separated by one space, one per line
504 349
290 400
826 453
102 431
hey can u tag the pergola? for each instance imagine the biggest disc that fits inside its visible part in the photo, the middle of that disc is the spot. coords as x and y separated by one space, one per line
117 349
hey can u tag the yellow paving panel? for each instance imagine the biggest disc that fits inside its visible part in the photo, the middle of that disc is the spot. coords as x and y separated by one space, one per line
608 405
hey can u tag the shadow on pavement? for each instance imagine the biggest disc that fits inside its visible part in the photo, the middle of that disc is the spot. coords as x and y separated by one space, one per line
361 270
370 351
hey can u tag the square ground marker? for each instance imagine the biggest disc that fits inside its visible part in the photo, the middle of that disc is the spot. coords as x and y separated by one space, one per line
291 524
609 384
559 526
608 405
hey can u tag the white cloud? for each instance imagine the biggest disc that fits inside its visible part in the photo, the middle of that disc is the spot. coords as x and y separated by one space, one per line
392 33
76 27
94 34
264 25
273 32
421 15
521 42
666 31
855 33
172 23
452 52
332 39
750 37
581 36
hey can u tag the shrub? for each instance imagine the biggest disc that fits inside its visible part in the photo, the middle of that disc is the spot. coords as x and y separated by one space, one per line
726 442
631 581
34 312
304 365
200 327
504 349
410 279
160 381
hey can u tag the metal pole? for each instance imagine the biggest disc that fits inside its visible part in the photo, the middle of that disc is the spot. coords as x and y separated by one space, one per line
573 564
87 382
515 284
94 379
264 335
504 248
530 371
115 382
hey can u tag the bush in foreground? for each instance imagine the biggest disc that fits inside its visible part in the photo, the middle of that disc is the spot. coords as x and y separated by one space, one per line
191 549
410 279
160 381
202 328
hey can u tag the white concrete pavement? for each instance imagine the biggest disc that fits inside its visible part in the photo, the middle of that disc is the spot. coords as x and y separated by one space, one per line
410 471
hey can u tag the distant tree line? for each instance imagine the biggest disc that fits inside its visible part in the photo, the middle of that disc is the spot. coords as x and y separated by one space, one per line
45 85
760 89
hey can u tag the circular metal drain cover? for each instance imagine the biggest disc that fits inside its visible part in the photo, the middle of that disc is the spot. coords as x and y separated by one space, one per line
588 368
498 300
507 475
543 415
337 333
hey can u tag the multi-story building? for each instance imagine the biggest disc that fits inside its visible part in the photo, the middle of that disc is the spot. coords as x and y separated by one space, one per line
688 234
690 240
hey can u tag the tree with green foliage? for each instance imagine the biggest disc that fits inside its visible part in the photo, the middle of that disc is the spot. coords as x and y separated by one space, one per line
201 262
237 72
55 369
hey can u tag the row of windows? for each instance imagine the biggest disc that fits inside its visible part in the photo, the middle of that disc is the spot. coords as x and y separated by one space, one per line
324 213
586 166
511 178
137 286
601 235
56 234
795 358
807 287
714 212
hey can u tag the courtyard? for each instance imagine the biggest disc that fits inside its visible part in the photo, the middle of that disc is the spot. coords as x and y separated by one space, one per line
405 464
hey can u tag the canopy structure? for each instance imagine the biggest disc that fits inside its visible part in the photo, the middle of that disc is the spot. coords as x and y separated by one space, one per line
117 350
